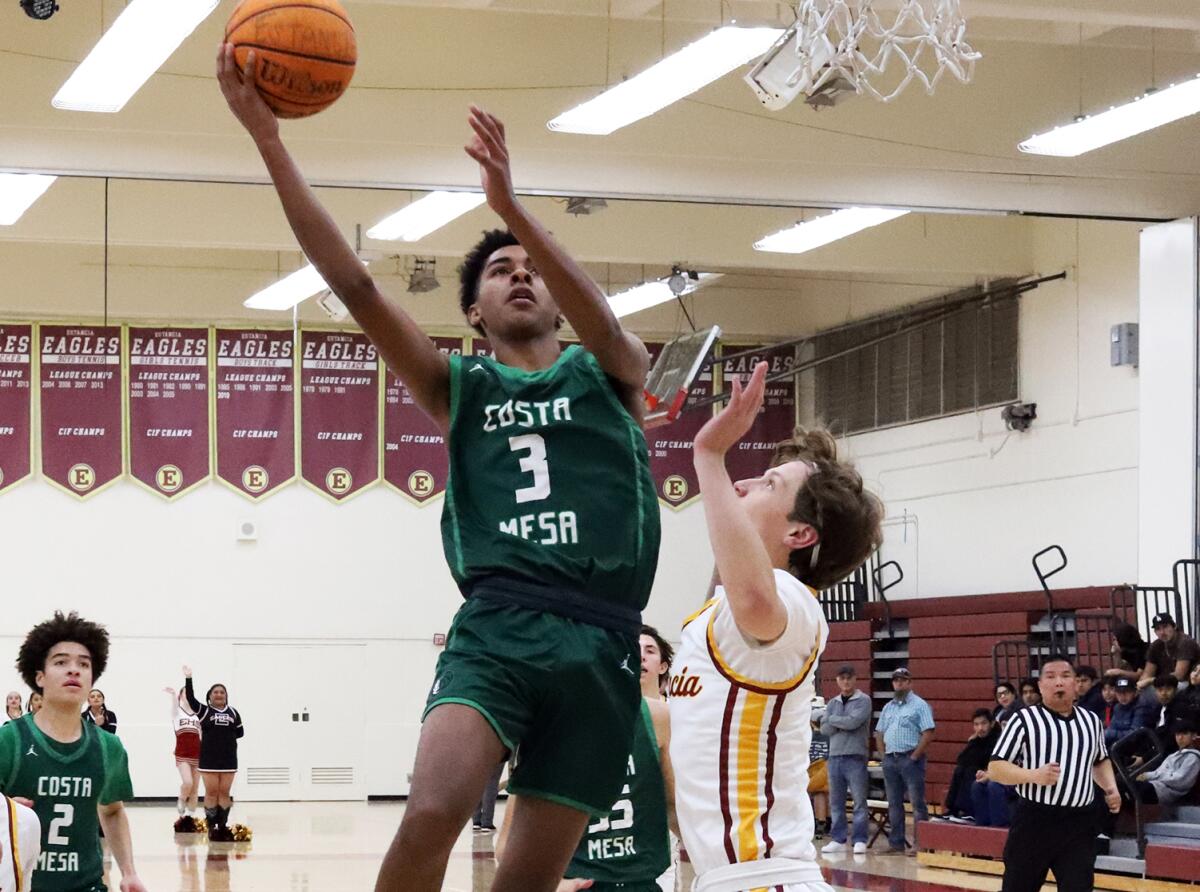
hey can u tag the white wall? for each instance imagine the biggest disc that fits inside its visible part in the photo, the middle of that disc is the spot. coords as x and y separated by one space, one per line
969 503
1167 481
173 586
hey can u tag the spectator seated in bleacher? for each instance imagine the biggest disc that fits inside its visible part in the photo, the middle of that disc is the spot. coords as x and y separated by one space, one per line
1030 695
1172 653
1130 714
1175 778
1108 697
1189 697
1129 650
1170 709
1006 702
971 762
1090 695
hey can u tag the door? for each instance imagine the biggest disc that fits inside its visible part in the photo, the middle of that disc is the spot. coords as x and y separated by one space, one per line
305 717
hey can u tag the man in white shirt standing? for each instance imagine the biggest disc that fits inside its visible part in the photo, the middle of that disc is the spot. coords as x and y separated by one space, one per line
740 708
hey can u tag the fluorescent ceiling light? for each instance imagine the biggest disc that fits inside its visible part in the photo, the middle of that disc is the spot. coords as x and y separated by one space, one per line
650 294
1121 122
695 66
142 38
18 191
424 215
823 230
288 291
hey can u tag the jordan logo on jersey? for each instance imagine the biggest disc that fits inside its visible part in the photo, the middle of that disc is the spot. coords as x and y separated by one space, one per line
32 751
625 666
684 685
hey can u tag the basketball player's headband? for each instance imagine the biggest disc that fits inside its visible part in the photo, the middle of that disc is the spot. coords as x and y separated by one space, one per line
812 556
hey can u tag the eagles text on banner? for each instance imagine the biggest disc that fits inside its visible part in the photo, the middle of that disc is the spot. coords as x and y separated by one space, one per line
16 404
777 417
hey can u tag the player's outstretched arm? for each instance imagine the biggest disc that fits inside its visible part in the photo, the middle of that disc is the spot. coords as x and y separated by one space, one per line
116 830
620 353
742 560
406 349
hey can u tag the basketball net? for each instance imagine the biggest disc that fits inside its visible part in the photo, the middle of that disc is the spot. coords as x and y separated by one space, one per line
847 45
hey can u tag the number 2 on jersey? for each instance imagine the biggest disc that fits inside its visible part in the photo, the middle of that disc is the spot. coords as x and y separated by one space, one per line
64 817
534 463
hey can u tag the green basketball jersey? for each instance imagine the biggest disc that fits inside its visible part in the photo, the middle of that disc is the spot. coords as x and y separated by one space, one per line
549 480
66 781
632 844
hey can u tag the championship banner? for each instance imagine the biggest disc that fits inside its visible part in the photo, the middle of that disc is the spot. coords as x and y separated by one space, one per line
255 410
80 377
339 412
777 417
16 404
415 460
671 445
167 385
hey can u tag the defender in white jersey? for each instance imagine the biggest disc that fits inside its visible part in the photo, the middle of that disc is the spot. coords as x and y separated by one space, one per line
741 698
20 845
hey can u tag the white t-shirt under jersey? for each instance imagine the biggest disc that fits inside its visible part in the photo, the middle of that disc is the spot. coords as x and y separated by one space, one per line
20 845
740 733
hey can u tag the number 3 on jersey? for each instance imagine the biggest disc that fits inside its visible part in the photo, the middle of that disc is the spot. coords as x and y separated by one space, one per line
534 463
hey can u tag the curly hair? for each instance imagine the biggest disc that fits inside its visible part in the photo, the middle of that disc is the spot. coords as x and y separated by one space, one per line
846 516
31 658
472 266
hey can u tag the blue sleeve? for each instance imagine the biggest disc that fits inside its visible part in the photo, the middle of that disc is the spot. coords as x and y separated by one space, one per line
927 723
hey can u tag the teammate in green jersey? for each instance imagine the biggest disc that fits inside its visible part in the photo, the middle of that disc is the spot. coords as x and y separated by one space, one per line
542 658
73 775
629 849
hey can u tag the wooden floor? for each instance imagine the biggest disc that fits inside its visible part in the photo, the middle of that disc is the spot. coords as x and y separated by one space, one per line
306 847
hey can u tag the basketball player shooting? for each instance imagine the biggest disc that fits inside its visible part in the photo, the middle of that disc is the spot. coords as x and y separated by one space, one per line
544 652
741 701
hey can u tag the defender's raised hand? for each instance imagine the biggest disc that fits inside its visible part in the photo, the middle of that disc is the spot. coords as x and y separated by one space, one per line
237 86
490 149
729 425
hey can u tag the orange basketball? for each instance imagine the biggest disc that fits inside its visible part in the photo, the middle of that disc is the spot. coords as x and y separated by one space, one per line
304 51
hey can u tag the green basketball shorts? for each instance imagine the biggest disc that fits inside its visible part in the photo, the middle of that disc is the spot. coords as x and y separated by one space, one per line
562 695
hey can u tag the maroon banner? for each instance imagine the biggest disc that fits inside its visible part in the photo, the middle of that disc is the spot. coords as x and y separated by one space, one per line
81 406
339 412
776 419
16 404
415 461
168 408
671 445
256 410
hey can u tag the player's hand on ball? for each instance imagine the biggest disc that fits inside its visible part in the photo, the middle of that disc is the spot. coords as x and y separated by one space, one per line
237 86
729 425
489 147
1047 775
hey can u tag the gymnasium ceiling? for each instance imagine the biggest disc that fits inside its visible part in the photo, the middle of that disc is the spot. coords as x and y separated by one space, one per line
701 180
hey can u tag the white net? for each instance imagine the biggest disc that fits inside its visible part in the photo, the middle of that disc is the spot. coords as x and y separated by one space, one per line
845 45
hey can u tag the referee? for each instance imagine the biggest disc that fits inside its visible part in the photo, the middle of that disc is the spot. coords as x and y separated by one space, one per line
1054 755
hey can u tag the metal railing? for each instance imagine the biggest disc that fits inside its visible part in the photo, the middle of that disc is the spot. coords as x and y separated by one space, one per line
1043 576
1136 743
1011 661
881 588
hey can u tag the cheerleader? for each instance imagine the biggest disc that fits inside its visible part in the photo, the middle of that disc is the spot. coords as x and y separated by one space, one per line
187 753
220 729
98 713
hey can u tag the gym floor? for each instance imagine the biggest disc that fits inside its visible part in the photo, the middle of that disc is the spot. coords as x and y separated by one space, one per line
300 846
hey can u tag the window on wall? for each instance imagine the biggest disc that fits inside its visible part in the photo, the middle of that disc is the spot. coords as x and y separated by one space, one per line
965 362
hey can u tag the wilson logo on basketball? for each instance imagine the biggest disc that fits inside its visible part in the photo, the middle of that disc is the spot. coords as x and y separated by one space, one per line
684 685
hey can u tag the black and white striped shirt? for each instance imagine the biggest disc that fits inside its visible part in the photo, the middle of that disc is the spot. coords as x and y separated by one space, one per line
1036 736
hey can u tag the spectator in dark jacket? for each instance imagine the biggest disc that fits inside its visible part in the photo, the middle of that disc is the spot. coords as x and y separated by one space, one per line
1108 694
1189 697
1130 714
1129 649
971 762
1089 692
1030 695
1169 709
1006 702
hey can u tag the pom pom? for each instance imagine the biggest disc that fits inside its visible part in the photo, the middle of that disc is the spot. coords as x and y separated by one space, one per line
242 833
